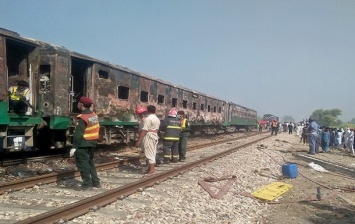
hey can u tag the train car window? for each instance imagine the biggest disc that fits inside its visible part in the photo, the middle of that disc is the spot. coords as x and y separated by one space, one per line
103 74
160 99
214 109
173 102
184 104
194 105
144 96
123 92
220 110
44 81
209 108
202 106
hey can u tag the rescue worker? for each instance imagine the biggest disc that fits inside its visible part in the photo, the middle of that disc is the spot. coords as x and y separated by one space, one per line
274 127
172 128
185 130
148 138
19 97
84 143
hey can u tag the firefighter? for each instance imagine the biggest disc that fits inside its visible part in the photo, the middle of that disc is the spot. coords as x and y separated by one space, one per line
185 130
172 128
19 97
84 143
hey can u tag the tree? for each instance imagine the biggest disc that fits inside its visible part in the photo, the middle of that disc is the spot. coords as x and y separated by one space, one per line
326 117
288 118
352 121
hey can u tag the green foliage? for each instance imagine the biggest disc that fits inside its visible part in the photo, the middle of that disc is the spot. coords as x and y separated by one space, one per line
350 125
352 121
288 118
327 117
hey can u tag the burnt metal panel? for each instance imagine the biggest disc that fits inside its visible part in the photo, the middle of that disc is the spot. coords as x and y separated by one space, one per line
3 75
56 101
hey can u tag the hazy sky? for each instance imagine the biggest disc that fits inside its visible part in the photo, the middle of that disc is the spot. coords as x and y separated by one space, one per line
280 57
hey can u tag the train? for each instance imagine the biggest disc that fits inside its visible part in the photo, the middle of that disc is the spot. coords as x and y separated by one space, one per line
58 77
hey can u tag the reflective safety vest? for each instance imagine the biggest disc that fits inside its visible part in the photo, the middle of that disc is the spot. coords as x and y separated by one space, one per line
92 126
185 126
17 94
274 124
173 129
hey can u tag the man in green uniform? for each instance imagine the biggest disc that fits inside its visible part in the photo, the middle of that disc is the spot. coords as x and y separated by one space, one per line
185 129
84 142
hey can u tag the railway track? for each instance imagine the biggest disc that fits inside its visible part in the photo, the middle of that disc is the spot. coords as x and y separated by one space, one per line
23 159
57 176
117 185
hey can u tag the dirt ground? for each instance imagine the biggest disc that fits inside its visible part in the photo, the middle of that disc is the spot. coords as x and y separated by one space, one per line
336 206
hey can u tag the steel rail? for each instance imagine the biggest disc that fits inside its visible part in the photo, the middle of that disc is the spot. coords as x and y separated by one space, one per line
56 176
82 207
53 177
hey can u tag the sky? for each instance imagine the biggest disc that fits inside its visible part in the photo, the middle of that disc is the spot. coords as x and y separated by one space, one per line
279 57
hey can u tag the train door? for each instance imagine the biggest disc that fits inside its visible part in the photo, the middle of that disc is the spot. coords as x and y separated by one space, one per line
18 63
80 72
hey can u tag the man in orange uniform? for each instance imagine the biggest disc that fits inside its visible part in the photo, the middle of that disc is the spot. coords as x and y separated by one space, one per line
84 142
274 127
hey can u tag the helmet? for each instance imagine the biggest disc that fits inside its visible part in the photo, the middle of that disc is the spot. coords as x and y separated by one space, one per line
141 109
172 112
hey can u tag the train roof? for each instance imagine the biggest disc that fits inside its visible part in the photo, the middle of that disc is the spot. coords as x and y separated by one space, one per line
15 36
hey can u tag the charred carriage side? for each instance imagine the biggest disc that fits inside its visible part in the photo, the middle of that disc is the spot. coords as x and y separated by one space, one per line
58 78
18 61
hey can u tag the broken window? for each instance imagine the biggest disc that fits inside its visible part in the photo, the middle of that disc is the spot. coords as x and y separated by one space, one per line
184 104
209 108
214 109
123 92
194 105
220 110
160 99
44 81
144 96
103 74
202 106
173 102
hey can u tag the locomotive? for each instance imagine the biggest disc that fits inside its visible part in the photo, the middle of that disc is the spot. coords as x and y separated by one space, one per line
58 77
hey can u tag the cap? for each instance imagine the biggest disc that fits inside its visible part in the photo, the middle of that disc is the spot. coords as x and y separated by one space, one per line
85 100
141 109
22 83
181 112
172 112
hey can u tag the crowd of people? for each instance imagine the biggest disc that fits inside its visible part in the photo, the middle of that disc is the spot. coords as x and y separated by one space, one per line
317 137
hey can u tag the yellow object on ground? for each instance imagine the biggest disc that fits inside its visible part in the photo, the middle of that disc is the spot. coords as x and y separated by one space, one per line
272 191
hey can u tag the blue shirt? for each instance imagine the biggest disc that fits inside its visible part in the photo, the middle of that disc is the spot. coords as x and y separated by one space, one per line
313 128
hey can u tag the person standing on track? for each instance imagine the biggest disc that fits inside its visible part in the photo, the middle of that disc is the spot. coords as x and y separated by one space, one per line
84 143
185 130
274 127
148 138
312 132
172 128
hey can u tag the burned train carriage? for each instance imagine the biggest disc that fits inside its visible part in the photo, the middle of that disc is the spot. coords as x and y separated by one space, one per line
58 77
